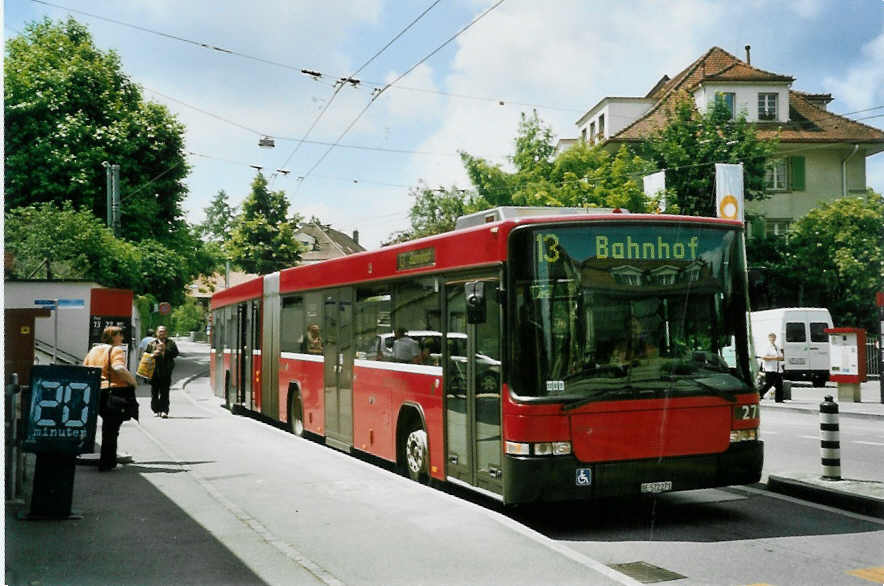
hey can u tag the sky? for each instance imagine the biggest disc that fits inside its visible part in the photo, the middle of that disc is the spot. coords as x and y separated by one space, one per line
558 58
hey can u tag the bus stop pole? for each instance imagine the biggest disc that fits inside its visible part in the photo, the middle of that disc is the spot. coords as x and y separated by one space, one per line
55 335
879 301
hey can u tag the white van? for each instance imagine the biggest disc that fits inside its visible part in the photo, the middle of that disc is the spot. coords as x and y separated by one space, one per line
801 335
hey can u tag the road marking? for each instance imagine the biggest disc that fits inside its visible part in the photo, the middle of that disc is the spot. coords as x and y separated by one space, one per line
810 437
870 574
797 501
867 443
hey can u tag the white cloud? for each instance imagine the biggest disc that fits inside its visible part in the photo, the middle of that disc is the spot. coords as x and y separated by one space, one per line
544 53
862 85
806 9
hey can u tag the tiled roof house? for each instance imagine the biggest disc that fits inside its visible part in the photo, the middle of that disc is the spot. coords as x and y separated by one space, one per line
321 242
821 155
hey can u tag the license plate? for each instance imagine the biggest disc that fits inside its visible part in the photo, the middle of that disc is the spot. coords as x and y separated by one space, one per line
655 487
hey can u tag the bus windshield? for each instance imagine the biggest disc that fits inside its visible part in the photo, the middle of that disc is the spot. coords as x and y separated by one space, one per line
629 311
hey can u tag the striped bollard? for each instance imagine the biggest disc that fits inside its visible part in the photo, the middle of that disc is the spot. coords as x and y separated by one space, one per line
830 445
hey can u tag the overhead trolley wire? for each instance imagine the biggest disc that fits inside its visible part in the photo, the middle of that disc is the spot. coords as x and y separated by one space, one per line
381 91
350 78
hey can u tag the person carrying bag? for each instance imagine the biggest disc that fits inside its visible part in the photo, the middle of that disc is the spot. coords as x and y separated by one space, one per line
117 403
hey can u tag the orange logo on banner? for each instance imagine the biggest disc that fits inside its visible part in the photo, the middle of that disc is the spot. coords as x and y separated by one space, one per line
728 208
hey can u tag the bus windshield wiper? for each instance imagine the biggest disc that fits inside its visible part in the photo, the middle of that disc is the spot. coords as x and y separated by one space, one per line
724 390
596 397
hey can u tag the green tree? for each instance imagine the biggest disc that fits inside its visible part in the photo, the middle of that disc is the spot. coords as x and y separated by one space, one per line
188 317
262 239
64 243
219 218
434 211
580 176
69 107
689 145
836 254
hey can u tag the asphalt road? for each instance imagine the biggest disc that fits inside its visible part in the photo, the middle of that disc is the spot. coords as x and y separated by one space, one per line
792 444
282 503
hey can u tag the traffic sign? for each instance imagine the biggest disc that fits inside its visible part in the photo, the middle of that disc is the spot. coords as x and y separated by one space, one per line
165 308
71 303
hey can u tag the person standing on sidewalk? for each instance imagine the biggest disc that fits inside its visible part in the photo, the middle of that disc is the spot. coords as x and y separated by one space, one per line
117 381
164 351
771 366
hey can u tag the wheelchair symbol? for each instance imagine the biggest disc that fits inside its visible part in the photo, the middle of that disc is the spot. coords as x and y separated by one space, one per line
584 476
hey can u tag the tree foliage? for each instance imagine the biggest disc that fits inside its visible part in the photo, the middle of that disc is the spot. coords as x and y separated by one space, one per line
833 257
68 108
219 218
262 237
689 145
582 176
61 242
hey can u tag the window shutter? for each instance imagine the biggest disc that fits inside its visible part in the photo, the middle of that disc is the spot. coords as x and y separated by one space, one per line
796 164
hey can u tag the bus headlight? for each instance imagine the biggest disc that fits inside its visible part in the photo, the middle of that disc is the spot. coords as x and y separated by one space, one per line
744 435
538 449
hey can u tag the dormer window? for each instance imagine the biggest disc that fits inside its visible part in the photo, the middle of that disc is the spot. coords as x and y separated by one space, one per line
767 106
729 99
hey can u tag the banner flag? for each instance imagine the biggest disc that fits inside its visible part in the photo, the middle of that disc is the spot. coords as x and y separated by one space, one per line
729 191
654 184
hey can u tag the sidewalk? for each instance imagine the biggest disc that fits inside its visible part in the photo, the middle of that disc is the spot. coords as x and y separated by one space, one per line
859 496
131 528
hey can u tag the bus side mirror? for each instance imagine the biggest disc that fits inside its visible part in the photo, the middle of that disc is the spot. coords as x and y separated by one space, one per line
475 296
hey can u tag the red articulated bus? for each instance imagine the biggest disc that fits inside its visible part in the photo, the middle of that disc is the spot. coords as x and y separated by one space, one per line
531 354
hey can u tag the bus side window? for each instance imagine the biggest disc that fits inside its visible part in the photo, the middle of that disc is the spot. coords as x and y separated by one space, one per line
373 325
292 328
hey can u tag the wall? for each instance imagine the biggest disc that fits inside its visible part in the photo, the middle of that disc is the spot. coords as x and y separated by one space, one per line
73 323
822 180
746 98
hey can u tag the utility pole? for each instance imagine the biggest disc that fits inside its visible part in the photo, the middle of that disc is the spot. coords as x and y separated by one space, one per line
113 196
116 200
110 189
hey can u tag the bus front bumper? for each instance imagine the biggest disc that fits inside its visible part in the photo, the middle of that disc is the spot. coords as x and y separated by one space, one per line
562 478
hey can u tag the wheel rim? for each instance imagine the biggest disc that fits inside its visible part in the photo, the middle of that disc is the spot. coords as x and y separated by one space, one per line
416 453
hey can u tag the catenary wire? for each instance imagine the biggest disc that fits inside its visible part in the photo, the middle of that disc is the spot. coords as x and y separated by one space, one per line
340 84
378 94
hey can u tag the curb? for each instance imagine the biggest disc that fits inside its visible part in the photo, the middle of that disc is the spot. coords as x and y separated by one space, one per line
191 378
812 410
856 503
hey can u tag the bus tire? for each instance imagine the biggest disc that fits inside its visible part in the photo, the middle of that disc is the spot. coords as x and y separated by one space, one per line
296 413
417 456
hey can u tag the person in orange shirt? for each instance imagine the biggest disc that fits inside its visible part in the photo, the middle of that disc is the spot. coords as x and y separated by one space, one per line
116 380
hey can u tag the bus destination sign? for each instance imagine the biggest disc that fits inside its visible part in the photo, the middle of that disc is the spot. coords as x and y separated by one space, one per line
416 259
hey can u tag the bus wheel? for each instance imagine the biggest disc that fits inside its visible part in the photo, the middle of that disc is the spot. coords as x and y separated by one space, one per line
296 416
416 456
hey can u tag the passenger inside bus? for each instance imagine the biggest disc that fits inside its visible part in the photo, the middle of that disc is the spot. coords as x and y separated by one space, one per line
312 342
405 348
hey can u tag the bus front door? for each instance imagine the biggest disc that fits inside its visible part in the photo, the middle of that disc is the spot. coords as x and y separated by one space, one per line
472 391
337 338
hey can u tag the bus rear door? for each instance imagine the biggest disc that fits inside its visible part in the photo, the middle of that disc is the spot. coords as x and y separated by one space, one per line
337 335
